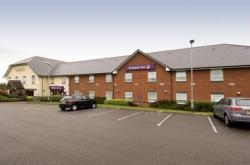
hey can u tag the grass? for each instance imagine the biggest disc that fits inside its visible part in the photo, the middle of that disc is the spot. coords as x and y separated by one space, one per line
118 107
152 109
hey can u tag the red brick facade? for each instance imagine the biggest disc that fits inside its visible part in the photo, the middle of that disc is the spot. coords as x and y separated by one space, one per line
235 81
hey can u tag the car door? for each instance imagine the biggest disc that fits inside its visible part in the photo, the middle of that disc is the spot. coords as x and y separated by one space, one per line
85 101
219 108
226 106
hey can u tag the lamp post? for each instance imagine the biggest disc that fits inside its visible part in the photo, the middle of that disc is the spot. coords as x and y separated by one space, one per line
48 79
191 72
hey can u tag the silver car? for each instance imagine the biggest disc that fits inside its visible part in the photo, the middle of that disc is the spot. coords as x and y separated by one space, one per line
233 110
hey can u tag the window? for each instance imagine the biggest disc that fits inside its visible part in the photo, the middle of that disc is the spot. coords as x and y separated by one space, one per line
91 94
76 92
181 76
64 79
16 77
77 79
9 78
108 78
216 75
91 78
108 95
33 79
152 77
152 97
52 80
24 79
216 97
181 98
128 77
128 96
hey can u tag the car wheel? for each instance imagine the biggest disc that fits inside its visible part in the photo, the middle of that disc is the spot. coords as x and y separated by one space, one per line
215 116
74 107
93 105
227 120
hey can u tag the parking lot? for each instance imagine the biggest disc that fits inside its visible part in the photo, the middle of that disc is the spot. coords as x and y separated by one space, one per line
42 134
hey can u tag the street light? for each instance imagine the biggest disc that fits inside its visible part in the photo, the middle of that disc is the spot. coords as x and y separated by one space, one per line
48 78
191 71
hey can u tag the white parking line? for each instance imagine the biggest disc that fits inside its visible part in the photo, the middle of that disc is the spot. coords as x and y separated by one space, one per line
212 125
134 114
166 118
98 114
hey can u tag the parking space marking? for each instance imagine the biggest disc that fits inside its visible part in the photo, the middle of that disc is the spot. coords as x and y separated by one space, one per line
98 114
165 119
134 114
212 125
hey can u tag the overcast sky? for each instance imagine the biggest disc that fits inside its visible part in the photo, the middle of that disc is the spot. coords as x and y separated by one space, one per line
85 29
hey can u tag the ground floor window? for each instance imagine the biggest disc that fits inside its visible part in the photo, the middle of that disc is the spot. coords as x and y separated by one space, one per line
108 95
181 98
152 97
216 97
128 95
91 94
76 92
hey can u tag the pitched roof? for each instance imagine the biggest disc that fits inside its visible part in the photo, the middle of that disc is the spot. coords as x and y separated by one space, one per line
221 55
96 66
38 65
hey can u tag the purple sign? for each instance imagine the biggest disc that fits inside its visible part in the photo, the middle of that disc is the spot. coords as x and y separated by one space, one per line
56 88
141 67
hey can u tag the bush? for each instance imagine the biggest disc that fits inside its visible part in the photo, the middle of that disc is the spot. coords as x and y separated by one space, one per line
56 98
198 106
100 100
119 102
29 98
7 99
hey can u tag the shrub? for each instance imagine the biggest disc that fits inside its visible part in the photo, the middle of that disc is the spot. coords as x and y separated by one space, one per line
119 102
7 99
100 100
56 98
29 98
198 106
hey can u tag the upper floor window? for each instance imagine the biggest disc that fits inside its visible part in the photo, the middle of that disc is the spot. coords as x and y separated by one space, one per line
216 75
24 79
77 79
128 77
181 98
108 95
128 95
91 78
108 78
64 79
181 76
152 77
16 77
152 97
33 79
52 80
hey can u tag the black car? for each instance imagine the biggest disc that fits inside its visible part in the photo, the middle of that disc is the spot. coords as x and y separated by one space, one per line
76 102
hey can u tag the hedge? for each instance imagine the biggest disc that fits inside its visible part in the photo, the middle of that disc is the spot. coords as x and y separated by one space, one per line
8 99
119 102
100 100
198 106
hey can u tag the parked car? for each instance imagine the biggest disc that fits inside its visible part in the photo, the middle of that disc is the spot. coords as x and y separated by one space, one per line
76 102
233 110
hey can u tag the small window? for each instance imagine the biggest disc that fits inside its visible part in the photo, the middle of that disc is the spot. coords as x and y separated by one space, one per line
152 97
216 75
91 78
128 77
64 79
76 92
33 79
77 79
181 76
91 94
216 97
52 80
16 77
128 96
108 95
181 98
24 79
108 78
9 78
152 77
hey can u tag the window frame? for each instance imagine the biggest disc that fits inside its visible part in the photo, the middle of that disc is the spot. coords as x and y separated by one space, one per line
181 101
77 79
33 79
130 98
180 78
126 79
108 79
152 100
64 80
24 80
93 93
111 94
91 78
218 100
52 80
216 78
150 73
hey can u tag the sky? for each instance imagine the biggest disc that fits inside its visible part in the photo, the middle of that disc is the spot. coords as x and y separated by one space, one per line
73 30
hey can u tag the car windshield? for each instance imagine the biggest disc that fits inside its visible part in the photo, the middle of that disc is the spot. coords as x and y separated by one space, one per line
66 98
243 102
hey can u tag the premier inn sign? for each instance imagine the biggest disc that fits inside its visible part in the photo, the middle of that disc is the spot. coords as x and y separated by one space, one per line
141 67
